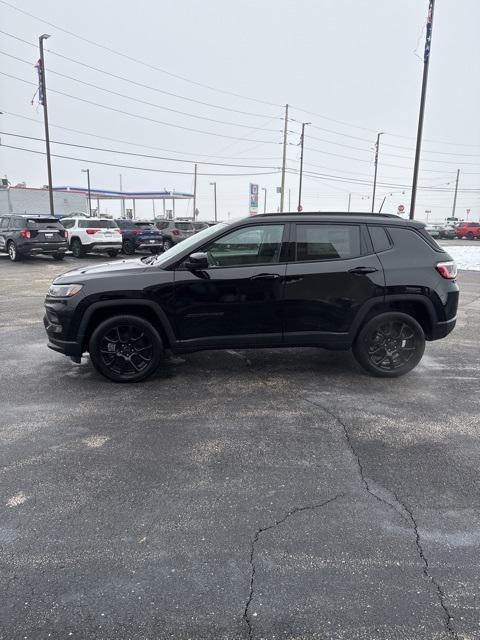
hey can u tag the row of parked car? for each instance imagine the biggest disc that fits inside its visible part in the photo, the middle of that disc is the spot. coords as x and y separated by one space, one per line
26 235
469 230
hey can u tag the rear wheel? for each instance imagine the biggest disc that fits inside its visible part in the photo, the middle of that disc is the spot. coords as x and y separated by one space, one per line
128 247
58 256
12 252
77 249
125 348
167 244
113 253
390 345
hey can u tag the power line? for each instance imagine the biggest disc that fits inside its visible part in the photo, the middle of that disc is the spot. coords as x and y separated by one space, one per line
135 115
145 102
140 155
134 144
124 166
138 61
140 84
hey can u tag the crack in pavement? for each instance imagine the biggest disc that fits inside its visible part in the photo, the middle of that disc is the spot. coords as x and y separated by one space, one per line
406 513
311 507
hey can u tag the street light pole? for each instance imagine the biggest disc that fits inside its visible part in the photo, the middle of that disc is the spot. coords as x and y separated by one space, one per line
455 196
284 161
195 192
264 189
214 185
42 98
426 63
87 171
302 140
377 144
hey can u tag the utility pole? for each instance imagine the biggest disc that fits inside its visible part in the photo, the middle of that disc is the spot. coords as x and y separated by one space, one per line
426 63
195 192
455 196
87 171
302 141
42 98
264 199
289 202
349 201
284 162
122 201
214 185
377 145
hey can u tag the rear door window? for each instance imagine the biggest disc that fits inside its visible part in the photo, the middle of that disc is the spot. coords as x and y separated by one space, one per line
316 241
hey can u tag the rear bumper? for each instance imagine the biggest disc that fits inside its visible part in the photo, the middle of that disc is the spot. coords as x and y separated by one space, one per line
442 329
147 244
99 247
42 247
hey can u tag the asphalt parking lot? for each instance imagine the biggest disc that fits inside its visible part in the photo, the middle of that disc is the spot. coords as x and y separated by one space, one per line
237 494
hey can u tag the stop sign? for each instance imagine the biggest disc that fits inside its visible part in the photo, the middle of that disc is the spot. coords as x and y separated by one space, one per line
401 208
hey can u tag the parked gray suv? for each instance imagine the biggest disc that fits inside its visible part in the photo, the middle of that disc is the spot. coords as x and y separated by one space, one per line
27 235
174 231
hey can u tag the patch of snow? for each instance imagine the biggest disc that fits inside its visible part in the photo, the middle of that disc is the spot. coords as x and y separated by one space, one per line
16 500
94 442
467 258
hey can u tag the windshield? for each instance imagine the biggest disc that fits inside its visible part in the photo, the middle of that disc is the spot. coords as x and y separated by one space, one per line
179 248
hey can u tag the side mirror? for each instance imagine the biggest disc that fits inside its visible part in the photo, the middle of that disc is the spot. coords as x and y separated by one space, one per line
197 261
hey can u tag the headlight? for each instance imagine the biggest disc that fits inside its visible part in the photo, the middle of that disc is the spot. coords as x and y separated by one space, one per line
64 290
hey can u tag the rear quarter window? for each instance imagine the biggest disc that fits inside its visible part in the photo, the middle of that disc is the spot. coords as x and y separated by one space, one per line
380 239
413 241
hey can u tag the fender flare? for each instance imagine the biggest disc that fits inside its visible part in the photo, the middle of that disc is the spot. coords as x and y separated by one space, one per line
134 302
384 301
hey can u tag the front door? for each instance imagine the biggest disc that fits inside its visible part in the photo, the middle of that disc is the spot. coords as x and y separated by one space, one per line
237 299
330 278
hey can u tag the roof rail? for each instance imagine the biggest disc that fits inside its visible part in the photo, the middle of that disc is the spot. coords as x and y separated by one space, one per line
332 213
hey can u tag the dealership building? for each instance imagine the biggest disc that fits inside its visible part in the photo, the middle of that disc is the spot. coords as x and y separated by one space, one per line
23 199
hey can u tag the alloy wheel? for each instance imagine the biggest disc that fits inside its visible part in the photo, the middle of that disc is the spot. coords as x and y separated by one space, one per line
126 350
391 345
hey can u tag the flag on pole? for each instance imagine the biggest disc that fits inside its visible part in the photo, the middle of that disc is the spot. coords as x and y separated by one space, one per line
428 39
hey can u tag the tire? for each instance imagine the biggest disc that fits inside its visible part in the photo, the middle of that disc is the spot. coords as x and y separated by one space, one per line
390 345
58 256
13 252
76 248
125 361
470 236
113 253
167 244
128 248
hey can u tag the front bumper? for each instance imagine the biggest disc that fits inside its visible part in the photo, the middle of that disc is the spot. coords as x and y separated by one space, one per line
67 347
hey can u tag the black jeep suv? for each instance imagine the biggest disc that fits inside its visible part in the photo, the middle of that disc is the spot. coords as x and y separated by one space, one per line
374 283
28 235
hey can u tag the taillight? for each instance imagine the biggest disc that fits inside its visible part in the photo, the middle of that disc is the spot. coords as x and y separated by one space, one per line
25 233
447 270
91 231
175 232
118 230
65 233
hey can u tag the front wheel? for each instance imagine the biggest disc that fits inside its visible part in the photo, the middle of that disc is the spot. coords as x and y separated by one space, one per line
12 252
113 253
125 348
128 248
390 345
167 244
58 256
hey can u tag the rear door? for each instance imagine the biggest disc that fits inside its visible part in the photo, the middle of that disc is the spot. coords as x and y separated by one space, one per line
3 232
333 273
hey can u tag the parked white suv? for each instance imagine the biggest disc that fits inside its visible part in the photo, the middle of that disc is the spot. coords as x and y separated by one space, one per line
93 235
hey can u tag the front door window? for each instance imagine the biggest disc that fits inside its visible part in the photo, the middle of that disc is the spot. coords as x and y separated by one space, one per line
257 245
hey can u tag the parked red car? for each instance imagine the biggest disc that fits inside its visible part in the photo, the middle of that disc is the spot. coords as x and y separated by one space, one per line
469 229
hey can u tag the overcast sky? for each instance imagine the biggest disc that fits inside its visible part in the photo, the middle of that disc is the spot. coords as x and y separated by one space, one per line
353 66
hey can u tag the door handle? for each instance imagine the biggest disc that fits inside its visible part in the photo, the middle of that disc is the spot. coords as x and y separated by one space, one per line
265 276
362 270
